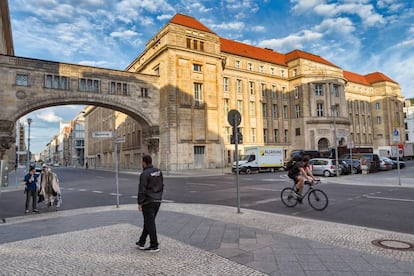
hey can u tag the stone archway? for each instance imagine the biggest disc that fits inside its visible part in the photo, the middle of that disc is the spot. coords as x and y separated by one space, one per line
323 144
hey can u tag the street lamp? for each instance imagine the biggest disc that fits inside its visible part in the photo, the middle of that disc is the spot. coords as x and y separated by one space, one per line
334 109
29 121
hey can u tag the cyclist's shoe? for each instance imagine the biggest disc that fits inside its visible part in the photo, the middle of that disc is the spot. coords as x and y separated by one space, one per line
299 197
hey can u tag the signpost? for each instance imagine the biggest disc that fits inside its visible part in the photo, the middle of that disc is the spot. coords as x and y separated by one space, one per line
117 140
396 138
234 119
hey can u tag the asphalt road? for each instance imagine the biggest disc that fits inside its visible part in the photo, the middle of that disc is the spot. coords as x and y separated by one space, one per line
388 208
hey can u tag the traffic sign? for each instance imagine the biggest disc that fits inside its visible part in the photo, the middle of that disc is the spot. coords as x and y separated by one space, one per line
120 140
234 117
102 134
21 152
396 135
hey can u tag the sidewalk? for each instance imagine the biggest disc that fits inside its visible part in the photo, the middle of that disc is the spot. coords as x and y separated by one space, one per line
195 240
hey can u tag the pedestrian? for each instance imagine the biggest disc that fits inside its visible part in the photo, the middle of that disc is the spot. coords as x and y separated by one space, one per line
86 165
150 189
31 190
49 188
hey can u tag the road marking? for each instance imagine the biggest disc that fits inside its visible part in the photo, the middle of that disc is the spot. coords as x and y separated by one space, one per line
267 200
201 184
82 190
114 194
98 192
390 198
266 189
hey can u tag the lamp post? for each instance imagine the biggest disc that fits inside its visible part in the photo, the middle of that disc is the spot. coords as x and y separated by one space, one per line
334 109
29 121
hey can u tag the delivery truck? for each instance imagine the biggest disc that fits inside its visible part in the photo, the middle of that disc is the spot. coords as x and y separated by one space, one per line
260 159
408 151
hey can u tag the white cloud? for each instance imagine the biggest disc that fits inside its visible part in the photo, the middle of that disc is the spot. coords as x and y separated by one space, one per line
48 116
125 33
291 42
228 26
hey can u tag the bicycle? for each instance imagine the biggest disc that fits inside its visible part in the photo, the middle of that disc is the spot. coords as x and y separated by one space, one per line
317 198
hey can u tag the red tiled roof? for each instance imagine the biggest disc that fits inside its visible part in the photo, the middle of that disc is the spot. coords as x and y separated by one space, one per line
295 54
245 50
378 77
367 79
188 21
357 78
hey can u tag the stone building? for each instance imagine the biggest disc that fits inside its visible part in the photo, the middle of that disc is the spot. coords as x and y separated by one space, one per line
296 100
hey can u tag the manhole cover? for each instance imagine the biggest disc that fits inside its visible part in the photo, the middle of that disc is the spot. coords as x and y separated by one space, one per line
394 244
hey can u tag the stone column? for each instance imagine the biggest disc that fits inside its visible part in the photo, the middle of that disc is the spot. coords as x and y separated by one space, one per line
6 136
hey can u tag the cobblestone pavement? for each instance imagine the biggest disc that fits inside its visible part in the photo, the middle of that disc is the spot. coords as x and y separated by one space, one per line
194 239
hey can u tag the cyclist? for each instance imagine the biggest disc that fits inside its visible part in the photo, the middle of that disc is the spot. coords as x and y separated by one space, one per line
299 172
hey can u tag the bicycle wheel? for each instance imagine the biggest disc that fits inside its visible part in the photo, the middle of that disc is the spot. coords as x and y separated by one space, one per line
288 197
317 199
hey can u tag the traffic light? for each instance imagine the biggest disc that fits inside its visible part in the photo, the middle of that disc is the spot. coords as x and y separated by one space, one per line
239 136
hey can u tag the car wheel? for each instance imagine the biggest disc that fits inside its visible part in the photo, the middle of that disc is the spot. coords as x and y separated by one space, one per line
248 171
326 173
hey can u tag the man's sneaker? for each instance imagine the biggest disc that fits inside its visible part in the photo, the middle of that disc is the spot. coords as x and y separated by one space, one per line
140 245
35 211
151 249
26 212
299 198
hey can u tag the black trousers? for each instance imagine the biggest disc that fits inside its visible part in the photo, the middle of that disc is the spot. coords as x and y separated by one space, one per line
31 195
149 211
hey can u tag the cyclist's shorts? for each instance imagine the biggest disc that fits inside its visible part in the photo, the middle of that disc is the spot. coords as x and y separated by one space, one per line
294 177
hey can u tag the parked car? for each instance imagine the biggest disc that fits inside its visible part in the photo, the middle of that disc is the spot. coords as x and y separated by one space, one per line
351 166
385 164
395 163
374 159
324 166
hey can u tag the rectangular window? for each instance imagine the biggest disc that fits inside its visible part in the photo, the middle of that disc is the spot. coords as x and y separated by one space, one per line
252 109
22 80
274 110
335 91
226 106
240 106
82 85
319 109
118 88
377 106
378 120
274 94
56 82
64 83
237 63
195 44
124 89
96 86
249 66
272 71
198 94
263 88
226 84
318 90
261 69
112 87
297 131
189 43
251 87
265 134
48 81
197 67
202 45
253 132
297 111
144 92
239 86
286 136
264 110
285 112
276 135
227 134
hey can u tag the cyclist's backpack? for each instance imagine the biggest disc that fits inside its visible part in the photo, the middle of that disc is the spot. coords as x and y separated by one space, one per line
292 162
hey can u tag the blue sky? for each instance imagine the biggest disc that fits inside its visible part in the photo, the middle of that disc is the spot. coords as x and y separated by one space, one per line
361 36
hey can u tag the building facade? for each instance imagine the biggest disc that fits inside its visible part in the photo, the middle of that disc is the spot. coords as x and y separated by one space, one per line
296 100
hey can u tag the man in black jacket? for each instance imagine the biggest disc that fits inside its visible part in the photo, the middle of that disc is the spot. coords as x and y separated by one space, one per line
151 186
